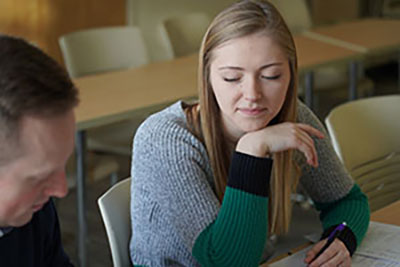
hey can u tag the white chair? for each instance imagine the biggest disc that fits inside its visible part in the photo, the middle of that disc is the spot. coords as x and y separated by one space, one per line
103 49
366 136
106 49
115 210
185 32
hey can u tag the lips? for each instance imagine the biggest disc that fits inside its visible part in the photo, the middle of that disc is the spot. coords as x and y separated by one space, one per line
252 111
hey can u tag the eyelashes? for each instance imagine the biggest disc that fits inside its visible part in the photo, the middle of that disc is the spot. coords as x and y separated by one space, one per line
230 80
276 77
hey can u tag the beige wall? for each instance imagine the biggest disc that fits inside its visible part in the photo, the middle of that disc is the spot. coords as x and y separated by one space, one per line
43 21
331 11
148 15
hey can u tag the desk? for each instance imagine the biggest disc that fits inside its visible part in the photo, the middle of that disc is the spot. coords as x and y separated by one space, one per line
368 36
114 96
313 53
389 214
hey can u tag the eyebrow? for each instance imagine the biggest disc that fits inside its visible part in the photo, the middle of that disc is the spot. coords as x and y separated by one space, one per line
262 67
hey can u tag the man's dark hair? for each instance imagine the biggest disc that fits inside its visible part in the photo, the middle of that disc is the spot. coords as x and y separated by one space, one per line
31 83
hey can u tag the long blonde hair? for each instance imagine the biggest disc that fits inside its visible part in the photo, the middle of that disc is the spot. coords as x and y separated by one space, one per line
239 20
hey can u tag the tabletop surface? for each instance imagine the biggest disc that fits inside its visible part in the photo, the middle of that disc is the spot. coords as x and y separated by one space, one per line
372 34
314 53
389 214
112 96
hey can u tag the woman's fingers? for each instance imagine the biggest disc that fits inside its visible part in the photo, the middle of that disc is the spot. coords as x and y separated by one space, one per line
337 259
314 251
308 148
311 130
301 140
346 262
281 137
335 255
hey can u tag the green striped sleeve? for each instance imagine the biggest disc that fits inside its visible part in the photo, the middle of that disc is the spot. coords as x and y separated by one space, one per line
238 234
352 209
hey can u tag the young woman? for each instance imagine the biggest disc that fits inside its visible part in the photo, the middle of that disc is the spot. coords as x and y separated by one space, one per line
211 181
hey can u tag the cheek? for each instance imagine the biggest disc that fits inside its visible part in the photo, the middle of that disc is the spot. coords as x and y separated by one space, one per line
17 208
25 196
226 100
225 94
27 200
277 94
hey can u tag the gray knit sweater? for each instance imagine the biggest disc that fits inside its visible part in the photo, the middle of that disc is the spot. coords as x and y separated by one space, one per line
173 199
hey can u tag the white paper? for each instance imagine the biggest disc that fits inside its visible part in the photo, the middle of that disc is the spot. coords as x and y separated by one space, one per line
382 241
296 259
372 262
380 248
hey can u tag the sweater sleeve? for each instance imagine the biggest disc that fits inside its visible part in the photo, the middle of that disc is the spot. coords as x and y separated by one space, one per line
176 216
352 209
332 189
238 235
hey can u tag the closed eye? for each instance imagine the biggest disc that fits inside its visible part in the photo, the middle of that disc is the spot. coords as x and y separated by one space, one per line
231 79
271 77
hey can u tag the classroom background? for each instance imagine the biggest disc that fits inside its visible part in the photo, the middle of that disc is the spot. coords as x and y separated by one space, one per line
46 22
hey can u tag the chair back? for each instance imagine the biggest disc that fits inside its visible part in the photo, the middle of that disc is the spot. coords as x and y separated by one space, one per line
185 32
366 136
103 49
115 211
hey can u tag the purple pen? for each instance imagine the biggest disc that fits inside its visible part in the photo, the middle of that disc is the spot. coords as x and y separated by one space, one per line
332 236
339 228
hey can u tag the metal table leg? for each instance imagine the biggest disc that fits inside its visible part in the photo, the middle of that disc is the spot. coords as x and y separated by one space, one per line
309 85
398 73
80 142
353 77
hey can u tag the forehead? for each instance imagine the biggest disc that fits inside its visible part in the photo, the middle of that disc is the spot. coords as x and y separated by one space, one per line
254 49
46 134
46 143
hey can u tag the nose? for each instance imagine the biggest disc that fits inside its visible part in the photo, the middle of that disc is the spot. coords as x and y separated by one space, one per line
252 89
57 186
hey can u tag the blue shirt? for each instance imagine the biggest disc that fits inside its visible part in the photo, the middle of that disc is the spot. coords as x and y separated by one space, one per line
36 244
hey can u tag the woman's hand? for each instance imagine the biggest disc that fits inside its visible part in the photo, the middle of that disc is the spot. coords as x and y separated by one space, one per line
281 137
335 255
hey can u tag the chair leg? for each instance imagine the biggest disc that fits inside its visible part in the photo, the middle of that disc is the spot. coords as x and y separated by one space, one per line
113 178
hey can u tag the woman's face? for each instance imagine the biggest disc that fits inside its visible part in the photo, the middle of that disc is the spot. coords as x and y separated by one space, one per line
250 77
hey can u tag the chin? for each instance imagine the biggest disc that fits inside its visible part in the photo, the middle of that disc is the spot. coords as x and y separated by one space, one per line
22 220
253 127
